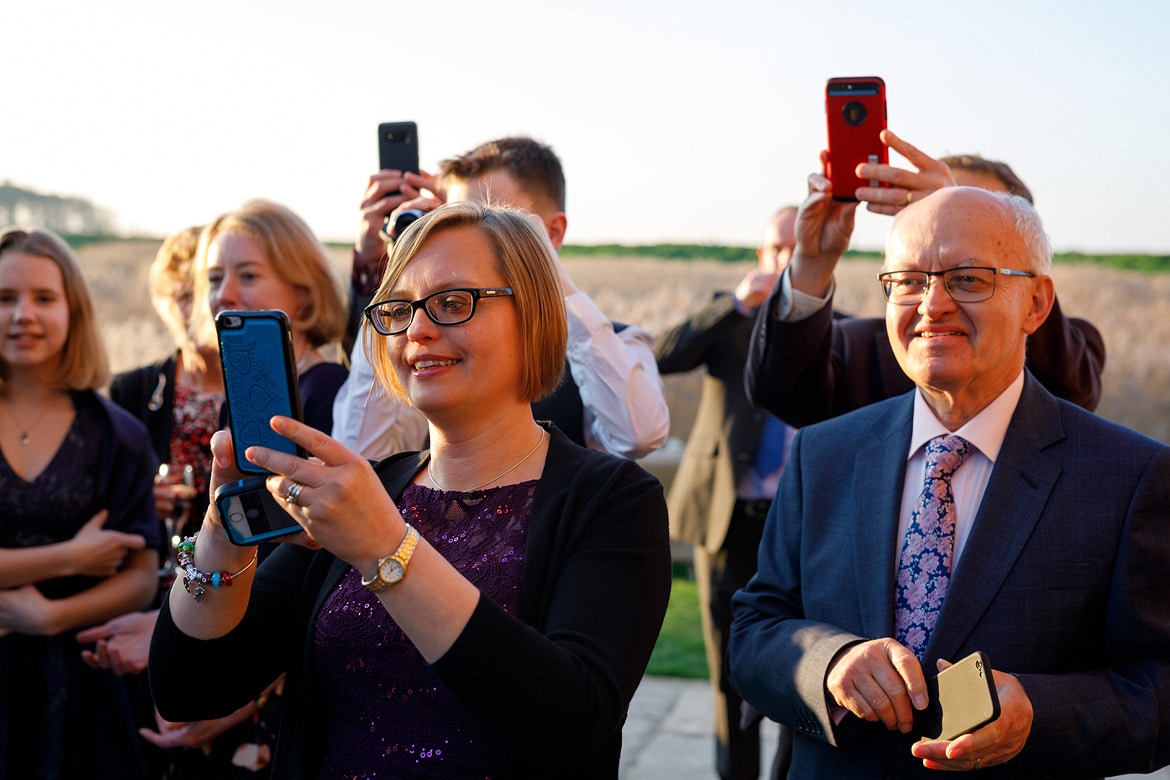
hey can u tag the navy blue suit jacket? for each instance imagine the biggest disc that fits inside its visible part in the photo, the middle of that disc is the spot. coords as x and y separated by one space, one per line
1064 582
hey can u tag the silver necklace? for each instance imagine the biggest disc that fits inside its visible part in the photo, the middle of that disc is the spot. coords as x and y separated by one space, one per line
24 431
504 473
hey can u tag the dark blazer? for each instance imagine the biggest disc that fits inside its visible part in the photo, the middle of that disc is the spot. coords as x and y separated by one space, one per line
726 431
808 371
557 682
1063 582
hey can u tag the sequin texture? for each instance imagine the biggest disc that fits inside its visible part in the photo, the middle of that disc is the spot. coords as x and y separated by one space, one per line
388 714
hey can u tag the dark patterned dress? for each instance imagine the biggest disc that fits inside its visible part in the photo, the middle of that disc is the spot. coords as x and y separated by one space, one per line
58 717
388 714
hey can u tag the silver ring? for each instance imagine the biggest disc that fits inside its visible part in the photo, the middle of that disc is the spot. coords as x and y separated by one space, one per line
977 760
293 493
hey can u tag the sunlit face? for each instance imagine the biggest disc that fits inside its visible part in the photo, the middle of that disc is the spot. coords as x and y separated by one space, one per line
241 276
971 351
34 312
779 241
468 369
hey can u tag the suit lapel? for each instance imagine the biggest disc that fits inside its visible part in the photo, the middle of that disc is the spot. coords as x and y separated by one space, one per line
878 472
1016 494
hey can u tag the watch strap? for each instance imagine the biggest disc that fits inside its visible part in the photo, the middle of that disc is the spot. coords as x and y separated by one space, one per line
402 555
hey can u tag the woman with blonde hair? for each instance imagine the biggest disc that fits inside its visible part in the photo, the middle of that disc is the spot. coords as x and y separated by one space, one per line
264 256
78 529
486 608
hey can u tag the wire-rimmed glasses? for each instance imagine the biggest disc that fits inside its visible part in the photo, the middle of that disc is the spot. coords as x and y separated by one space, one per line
966 284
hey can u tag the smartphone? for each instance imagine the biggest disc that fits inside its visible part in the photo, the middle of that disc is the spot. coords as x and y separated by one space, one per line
259 379
398 146
249 512
962 699
855 108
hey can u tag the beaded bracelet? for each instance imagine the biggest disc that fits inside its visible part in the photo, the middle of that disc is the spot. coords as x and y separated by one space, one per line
194 580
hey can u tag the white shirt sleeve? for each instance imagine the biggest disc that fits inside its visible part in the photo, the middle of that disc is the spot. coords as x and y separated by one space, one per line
792 305
369 420
625 407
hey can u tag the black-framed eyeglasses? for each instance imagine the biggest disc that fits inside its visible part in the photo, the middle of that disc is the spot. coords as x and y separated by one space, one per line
445 307
967 284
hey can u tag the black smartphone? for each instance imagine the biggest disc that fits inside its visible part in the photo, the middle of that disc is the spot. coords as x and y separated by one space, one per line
250 514
398 146
259 379
962 699
855 109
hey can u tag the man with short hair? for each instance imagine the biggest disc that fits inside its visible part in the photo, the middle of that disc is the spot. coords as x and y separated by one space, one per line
611 397
728 474
975 512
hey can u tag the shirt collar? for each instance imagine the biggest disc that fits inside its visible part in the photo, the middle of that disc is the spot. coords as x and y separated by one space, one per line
985 430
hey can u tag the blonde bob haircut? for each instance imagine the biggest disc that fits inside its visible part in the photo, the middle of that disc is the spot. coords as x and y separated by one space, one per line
297 257
83 363
526 260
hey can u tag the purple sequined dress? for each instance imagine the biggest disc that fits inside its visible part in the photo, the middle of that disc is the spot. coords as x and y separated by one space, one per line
388 714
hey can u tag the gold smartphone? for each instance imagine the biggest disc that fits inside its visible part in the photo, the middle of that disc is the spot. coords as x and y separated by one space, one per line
962 699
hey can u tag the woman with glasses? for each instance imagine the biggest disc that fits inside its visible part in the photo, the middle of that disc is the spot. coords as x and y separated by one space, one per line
483 609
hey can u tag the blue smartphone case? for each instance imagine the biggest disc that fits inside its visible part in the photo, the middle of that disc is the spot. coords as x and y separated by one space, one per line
260 379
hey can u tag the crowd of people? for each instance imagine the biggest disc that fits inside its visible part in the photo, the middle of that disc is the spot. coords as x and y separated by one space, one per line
481 568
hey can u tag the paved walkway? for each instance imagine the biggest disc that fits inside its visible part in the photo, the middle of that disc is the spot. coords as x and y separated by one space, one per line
668 733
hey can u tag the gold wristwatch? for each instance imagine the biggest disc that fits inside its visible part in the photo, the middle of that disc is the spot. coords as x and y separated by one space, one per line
392 568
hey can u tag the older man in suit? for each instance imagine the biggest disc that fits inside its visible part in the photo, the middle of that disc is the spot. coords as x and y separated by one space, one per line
728 474
1043 542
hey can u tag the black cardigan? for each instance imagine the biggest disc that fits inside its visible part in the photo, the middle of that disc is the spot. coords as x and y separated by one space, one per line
558 681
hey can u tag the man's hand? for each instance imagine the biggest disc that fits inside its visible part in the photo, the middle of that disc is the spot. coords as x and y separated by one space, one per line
994 744
905 186
823 229
121 644
388 192
754 288
879 681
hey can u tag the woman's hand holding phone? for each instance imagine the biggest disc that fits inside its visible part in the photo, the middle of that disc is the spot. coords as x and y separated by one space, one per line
341 504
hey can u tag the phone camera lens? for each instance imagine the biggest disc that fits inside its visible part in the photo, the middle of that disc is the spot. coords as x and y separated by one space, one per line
854 113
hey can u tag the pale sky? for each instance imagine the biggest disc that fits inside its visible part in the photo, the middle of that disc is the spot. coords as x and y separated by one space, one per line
676 120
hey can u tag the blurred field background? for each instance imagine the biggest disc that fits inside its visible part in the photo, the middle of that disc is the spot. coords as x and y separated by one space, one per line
1128 307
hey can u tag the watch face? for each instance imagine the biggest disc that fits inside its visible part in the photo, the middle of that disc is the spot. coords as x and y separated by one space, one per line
391 570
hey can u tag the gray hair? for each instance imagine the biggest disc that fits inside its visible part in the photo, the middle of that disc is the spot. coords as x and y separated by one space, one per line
1031 232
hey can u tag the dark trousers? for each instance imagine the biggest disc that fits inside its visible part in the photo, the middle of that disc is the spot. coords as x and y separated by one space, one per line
718 576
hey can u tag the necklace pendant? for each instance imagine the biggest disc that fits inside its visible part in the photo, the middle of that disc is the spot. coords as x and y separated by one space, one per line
23 438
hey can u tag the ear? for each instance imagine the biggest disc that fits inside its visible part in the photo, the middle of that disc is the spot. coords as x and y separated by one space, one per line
1040 303
555 224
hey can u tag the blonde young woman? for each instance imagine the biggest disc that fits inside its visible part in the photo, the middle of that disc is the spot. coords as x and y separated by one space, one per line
483 609
264 256
78 529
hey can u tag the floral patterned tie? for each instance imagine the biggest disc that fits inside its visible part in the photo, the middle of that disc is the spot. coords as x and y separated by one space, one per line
924 568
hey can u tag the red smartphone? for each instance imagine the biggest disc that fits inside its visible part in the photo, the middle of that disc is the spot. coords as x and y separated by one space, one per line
855 108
